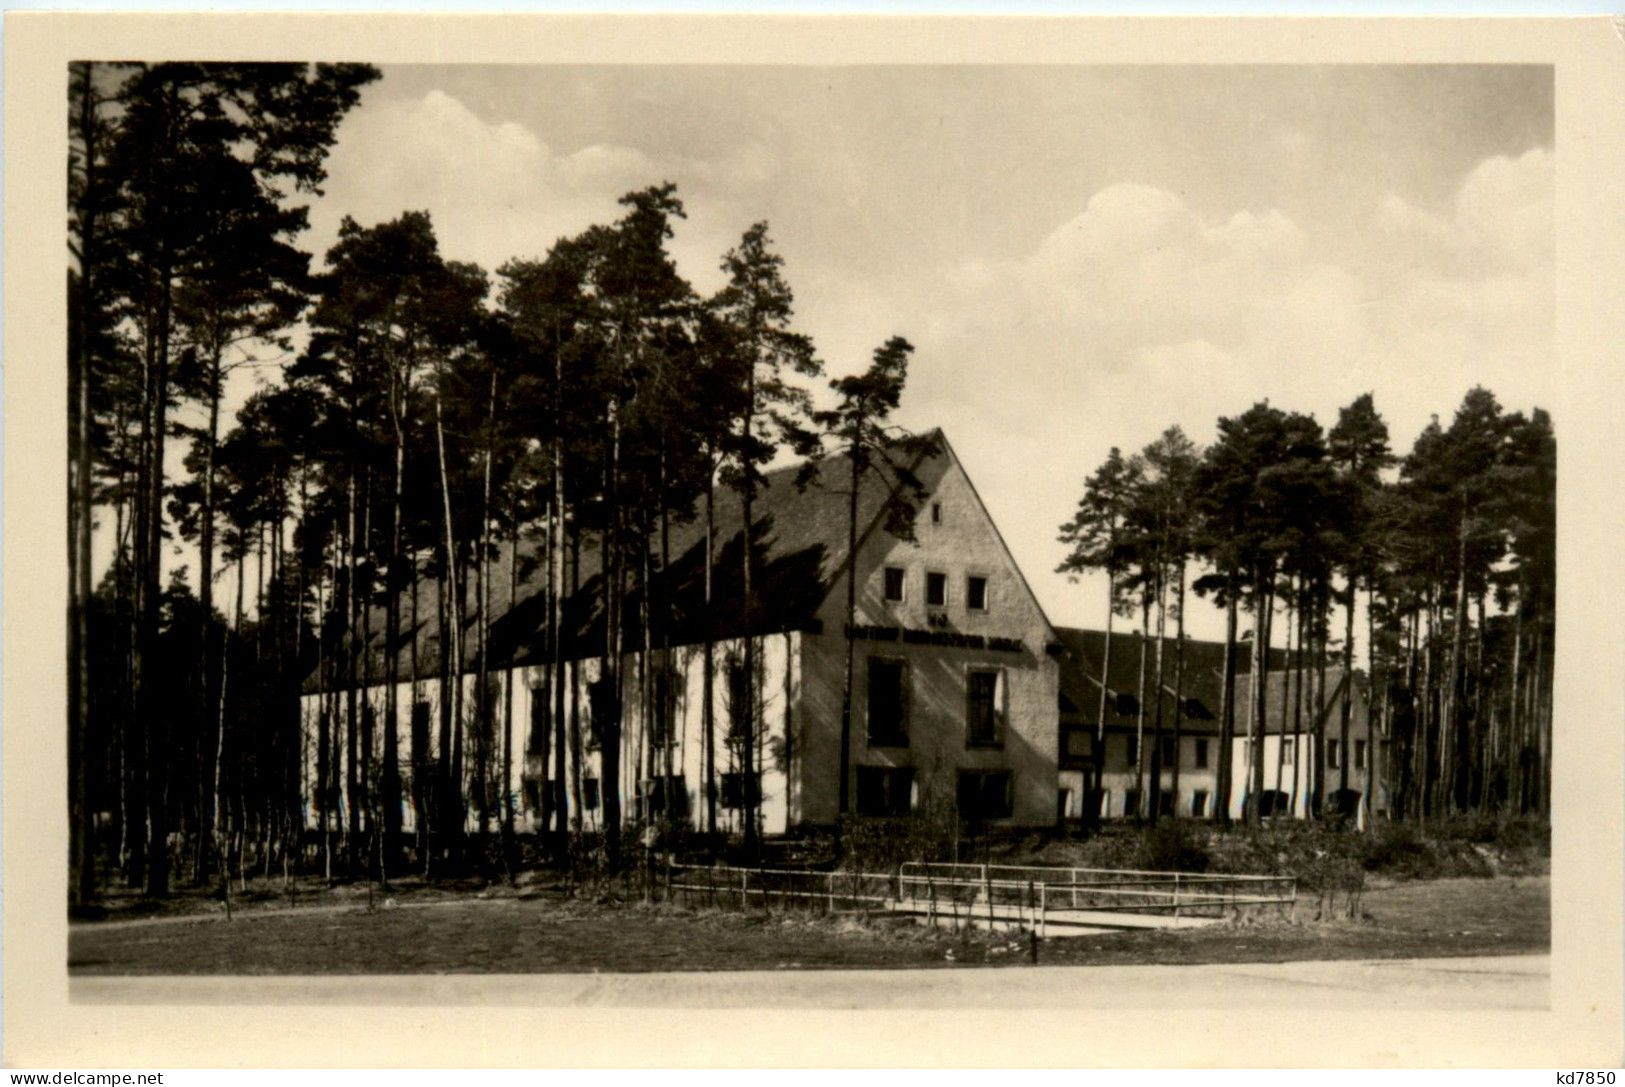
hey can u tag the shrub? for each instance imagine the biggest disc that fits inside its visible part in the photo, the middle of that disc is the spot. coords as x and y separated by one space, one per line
1171 846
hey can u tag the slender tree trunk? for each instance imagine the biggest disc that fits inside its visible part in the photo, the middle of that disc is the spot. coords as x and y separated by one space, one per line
1515 745
154 707
391 844
1139 717
555 619
1263 608
748 789
1460 768
507 682
451 642
1227 709
610 678
1374 736
708 679
81 801
1320 602
1286 693
1179 684
844 766
564 808
482 604
576 808
1156 727
420 737
1295 668
1099 750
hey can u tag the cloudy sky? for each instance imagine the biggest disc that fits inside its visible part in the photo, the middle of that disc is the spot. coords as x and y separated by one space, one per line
1082 256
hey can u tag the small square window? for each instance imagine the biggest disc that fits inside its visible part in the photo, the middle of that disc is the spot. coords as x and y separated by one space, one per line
976 593
894 584
936 590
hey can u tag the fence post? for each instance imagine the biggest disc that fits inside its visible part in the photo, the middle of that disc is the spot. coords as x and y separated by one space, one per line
744 889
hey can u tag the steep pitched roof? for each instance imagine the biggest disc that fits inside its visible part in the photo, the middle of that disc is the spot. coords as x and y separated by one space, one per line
799 539
1203 686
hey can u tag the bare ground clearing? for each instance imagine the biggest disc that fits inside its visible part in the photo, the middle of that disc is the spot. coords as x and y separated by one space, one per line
538 930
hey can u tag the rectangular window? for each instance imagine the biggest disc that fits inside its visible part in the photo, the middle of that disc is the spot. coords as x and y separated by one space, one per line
936 590
936 513
1199 803
1131 803
733 790
537 739
1359 754
589 793
1079 744
740 706
984 717
1170 754
1289 749
885 790
893 577
985 794
887 703
1165 802
420 734
1333 753
662 693
1131 750
1201 754
976 593
669 794
602 709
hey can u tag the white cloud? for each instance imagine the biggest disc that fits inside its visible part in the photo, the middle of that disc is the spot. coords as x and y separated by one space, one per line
497 190
1138 312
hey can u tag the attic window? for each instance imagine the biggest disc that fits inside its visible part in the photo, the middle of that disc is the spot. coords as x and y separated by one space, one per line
936 590
936 513
976 593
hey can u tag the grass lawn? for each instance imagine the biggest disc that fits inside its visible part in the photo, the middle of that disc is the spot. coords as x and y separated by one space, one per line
435 930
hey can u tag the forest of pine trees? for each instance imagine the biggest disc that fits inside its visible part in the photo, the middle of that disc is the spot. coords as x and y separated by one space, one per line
432 413
1446 556
429 412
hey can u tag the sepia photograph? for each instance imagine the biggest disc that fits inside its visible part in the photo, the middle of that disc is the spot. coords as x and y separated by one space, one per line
849 535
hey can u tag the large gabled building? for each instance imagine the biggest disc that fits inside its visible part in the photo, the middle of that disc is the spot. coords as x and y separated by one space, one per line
955 682
1292 721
